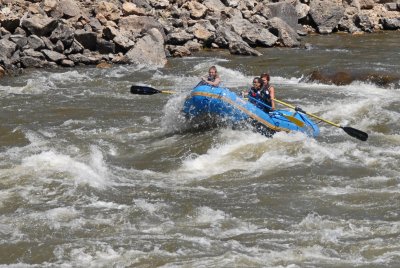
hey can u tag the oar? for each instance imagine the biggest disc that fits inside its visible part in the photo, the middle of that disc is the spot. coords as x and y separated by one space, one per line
358 134
292 119
144 90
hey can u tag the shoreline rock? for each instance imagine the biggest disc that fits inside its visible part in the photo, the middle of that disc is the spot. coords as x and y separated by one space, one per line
66 33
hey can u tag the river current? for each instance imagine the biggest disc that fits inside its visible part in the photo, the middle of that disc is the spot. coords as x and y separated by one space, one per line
93 176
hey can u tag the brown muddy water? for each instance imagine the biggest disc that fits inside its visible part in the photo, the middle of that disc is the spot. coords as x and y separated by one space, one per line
93 176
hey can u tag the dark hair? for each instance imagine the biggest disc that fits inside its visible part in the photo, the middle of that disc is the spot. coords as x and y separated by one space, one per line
266 76
259 80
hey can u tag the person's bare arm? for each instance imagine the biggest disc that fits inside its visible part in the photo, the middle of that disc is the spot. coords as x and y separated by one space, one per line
272 93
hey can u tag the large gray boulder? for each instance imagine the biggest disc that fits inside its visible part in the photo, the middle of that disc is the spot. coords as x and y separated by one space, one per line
87 39
179 37
19 39
135 26
228 38
149 50
10 23
253 34
63 33
53 55
287 36
39 25
35 42
30 62
7 49
70 8
391 24
326 15
242 48
285 11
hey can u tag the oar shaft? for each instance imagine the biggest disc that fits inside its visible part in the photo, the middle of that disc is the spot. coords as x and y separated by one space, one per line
292 119
310 114
168 91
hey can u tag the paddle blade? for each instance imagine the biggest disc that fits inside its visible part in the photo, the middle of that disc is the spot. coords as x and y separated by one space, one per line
358 134
294 120
143 90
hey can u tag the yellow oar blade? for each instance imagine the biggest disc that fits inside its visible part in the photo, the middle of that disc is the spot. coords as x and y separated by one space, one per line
294 120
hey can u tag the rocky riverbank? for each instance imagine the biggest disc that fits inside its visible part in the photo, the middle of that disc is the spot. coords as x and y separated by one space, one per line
50 33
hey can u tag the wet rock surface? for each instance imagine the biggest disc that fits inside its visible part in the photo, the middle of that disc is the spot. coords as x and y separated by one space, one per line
75 32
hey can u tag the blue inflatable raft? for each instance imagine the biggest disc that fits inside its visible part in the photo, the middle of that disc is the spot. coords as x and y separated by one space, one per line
209 101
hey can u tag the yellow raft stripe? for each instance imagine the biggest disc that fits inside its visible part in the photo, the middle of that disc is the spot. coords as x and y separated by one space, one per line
250 114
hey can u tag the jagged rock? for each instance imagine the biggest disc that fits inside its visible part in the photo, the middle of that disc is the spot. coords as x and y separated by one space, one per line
120 59
215 6
64 34
87 58
352 3
193 46
132 9
39 25
180 37
20 31
242 48
286 35
391 24
123 43
258 20
364 23
302 10
70 8
347 24
96 25
86 39
196 9
10 23
108 10
33 53
159 3
50 5
59 47
259 36
29 62
285 11
134 26
105 47
35 42
104 65
75 48
53 55
149 50
253 34
179 51
19 39
48 44
110 32
367 4
231 3
80 58
7 49
225 36
67 63
391 6
326 15
201 33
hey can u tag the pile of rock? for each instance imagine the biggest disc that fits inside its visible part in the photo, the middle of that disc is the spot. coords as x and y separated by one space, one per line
41 33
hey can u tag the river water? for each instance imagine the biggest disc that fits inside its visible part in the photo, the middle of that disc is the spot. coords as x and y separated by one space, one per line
93 176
